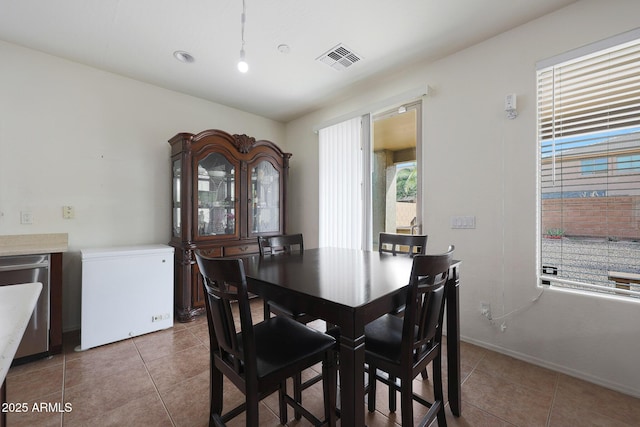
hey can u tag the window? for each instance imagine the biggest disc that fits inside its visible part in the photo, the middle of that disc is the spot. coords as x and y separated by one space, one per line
589 166
629 164
406 182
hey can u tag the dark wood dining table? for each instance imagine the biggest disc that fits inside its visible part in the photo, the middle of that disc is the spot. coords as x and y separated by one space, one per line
350 288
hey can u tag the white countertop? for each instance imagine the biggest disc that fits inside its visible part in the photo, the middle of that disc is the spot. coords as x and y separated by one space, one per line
123 251
27 244
16 306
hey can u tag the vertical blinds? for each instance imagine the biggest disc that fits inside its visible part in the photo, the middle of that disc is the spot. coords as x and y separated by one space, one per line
340 185
589 136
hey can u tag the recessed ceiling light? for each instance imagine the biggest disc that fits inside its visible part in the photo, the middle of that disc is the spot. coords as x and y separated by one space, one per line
284 48
183 56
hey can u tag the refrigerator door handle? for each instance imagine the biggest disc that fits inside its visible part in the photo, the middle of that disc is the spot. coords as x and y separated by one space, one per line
18 267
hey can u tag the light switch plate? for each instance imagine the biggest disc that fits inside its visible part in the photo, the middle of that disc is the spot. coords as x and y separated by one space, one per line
466 222
68 212
26 217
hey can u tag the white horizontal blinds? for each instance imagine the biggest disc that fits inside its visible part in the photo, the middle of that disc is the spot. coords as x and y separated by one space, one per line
340 158
599 92
589 134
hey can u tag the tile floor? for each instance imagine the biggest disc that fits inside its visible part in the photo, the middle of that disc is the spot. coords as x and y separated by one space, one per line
161 379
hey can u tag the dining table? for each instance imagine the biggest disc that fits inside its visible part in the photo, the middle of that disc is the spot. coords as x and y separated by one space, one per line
349 288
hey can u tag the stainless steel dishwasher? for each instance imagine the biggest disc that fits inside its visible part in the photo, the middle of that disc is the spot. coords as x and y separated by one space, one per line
28 269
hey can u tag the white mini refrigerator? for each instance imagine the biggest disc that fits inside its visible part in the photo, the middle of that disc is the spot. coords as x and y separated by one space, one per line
126 292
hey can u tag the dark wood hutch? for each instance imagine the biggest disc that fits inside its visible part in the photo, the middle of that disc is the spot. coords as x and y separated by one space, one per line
227 191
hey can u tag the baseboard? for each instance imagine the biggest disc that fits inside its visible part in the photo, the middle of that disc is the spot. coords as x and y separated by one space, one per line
71 328
555 367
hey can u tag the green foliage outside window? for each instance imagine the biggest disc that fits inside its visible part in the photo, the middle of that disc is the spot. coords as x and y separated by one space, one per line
407 183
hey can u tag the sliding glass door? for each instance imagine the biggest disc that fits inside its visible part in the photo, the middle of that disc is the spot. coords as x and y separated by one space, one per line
370 178
396 172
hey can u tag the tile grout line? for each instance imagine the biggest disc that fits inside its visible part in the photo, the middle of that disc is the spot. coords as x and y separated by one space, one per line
484 410
64 378
555 387
553 399
513 382
144 363
473 369
464 380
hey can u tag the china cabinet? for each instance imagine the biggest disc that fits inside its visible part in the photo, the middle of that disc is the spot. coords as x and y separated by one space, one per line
227 190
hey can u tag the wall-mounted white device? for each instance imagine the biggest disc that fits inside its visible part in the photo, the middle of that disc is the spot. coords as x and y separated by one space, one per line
510 106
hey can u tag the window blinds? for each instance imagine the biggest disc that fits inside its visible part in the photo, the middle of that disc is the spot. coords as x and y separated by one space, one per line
340 185
589 140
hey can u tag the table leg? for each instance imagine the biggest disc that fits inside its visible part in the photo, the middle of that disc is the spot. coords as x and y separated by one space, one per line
352 380
453 342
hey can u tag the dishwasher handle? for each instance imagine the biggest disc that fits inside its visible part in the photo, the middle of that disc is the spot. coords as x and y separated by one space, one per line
18 267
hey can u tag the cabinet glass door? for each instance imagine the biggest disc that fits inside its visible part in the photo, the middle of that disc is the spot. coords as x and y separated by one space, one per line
216 213
265 199
176 208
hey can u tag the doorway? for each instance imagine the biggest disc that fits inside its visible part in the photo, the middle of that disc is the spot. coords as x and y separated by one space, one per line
396 171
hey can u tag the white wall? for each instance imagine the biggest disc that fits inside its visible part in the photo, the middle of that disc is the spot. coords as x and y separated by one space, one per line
74 135
479 163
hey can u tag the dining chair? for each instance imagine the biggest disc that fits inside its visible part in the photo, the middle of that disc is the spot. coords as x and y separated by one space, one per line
405 244
284 243
403 347
277 245
289 244
258 359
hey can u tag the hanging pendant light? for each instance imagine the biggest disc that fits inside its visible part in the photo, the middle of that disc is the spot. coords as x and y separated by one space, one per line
243 67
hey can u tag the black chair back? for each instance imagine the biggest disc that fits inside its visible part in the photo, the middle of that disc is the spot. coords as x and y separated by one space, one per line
425 304
286 243
406 244
225 283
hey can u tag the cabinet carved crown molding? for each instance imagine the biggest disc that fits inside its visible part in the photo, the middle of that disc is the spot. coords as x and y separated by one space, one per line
243 142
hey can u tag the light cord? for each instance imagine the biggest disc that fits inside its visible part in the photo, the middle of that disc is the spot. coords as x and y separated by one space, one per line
522 307
243 19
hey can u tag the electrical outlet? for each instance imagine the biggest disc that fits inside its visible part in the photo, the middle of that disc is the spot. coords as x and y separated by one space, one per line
485 309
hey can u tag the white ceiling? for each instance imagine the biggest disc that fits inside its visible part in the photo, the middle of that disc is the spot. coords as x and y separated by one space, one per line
136 38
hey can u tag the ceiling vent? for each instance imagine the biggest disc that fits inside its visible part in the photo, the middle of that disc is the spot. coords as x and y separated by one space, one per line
339 57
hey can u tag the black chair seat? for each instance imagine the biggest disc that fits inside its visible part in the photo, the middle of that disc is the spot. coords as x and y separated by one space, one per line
383 337
274 349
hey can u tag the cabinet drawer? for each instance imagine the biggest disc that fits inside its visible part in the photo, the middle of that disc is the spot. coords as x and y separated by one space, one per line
212 252
241 250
